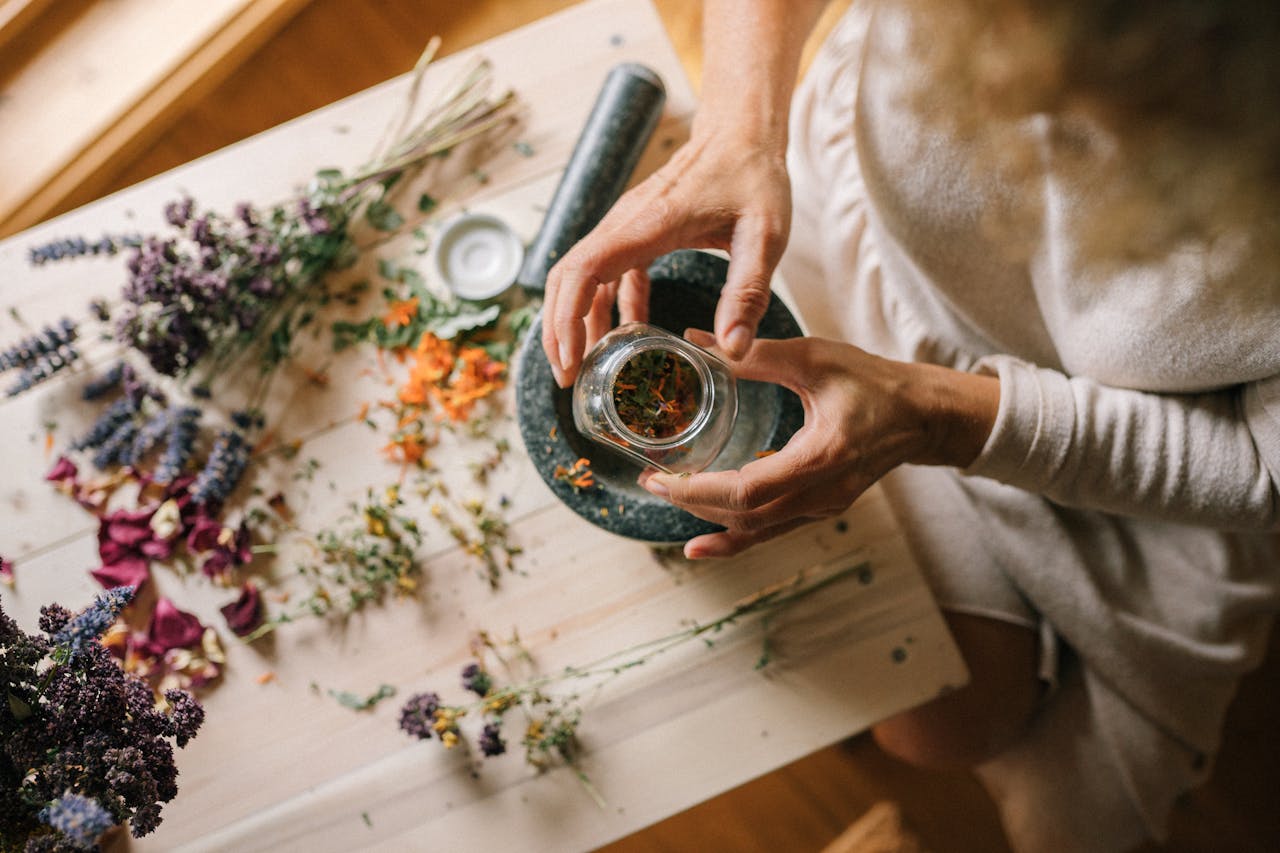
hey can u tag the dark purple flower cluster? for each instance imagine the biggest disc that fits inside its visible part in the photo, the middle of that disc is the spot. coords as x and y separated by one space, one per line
491 742
82 744
41 355
476 679
78 247
423 715
418 715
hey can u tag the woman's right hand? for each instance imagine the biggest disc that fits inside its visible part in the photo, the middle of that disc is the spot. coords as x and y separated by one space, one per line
724 189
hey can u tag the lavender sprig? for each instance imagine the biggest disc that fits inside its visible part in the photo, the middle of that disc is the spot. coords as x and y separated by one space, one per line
89 626
76 247
184 425
118 413
116 450
150 434
81 820
49 340
101 386
226 464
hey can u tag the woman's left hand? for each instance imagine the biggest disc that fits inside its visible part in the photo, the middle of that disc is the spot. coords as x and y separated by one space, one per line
864 416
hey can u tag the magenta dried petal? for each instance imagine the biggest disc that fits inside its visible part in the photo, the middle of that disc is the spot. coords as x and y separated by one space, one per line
129 528
244 614
6 571
127 570
63 470
157 549
204 535
243 545
111 551
172 628
217 565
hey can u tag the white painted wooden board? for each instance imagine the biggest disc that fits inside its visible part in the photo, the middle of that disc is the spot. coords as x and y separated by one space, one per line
282 767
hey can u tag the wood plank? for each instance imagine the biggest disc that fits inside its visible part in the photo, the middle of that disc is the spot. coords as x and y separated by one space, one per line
17 16
107 84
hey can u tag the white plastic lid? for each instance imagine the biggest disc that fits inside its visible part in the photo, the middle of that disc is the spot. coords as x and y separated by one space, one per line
477 255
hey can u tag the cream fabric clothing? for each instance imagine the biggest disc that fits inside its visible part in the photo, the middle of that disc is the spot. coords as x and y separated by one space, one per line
1125 505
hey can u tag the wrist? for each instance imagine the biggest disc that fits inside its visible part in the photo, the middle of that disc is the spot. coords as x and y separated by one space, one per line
957 412
751 55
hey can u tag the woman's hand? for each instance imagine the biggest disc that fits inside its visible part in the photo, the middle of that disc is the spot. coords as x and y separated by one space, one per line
864 416
725 190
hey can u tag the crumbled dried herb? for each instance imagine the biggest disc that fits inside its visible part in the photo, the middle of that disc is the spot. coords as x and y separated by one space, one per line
657 394
356 702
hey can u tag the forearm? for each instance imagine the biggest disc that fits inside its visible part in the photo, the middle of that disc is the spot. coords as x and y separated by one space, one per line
751 54
1188 458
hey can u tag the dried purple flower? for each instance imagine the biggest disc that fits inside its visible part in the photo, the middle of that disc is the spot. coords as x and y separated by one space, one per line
81 820
475 679
118 447
89 626
108 422
227 461
30 349
75 247
313 217
149 435
491 742
180 442
53 618
185 714
418 714
103 385
6 571
178 213
77 724
43 368
246 214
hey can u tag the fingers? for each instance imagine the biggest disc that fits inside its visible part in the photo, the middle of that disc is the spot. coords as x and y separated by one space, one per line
635 231
564 333
633 296
754 252
599 319
730 542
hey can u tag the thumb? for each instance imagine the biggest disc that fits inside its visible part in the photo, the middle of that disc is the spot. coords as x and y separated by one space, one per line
754 251
767 360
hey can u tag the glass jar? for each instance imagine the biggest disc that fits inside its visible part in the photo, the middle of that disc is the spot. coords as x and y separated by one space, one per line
658 398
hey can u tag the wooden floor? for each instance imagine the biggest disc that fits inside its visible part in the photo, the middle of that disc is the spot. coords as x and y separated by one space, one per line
333 48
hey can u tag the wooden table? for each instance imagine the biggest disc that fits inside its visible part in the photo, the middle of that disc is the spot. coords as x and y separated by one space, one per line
282 766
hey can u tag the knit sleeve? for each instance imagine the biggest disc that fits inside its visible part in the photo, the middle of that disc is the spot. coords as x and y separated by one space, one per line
1210 459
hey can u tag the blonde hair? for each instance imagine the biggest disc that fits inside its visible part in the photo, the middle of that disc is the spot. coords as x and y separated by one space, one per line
1189 89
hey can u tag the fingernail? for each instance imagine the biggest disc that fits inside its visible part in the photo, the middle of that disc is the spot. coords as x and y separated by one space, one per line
737 341
566 354
656 486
